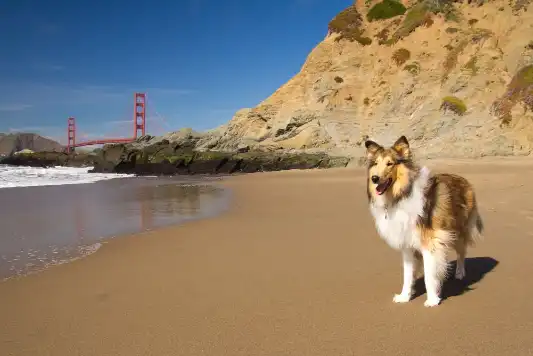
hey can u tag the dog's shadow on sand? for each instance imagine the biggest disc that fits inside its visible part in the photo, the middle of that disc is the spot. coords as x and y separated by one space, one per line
476 269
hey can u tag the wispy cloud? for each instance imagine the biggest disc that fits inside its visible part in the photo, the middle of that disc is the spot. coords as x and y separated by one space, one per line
158 125
35 94
14 107
52 132
118 122
45 67
101 110
35 129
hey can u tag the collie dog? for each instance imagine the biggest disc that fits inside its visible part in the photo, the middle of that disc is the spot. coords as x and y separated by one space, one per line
425 216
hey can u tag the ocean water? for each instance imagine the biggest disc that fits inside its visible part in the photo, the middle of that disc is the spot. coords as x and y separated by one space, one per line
11 177
51 216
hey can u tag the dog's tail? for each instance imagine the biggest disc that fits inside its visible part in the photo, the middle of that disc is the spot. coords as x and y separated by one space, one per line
475 227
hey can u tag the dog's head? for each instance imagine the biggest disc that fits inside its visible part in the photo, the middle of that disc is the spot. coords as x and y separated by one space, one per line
385 164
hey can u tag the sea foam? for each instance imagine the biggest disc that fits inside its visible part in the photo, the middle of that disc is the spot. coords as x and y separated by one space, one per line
17 176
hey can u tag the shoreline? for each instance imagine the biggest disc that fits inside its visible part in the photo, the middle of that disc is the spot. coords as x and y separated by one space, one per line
87 215
293 266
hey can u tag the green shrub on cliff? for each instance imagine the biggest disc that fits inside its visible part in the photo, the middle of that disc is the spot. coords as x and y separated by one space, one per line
400 56
454 104
348 25
519 90
385 10
415 17
346 21
420 15
382 35
443 7
520 5
413 68
451 30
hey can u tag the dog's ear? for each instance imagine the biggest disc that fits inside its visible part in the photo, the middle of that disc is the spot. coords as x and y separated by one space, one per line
401 146
372 148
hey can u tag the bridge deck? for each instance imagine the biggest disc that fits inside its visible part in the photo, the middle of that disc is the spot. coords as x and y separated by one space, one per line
102 142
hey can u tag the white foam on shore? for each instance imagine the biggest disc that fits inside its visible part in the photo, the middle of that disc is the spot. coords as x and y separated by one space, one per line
11 176
83 251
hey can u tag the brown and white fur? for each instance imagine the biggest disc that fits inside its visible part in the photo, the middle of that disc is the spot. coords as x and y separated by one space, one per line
425 216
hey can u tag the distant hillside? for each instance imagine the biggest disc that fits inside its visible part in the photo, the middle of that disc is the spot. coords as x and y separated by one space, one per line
10 143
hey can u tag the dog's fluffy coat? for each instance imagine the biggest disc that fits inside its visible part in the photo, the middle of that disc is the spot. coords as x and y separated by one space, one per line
423 215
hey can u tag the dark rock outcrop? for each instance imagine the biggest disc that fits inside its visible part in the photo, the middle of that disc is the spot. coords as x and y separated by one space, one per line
161 157
165 158
49 159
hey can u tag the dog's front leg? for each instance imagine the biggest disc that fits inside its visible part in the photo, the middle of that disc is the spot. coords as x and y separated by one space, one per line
409 269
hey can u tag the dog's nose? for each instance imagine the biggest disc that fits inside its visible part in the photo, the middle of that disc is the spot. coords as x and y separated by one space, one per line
375 179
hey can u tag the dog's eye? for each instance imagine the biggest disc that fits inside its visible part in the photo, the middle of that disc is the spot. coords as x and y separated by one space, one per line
389 163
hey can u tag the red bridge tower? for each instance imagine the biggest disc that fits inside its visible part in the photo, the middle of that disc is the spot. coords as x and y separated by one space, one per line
71 134
139 127
139 115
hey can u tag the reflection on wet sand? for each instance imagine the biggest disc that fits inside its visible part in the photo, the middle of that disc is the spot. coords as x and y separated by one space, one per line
169 201
48 225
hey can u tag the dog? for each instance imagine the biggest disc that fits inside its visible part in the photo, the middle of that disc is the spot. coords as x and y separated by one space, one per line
424 215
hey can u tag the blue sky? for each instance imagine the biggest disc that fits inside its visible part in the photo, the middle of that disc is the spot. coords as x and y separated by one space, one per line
199 61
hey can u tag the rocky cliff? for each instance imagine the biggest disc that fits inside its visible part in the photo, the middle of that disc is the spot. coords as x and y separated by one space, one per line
455 77
11 143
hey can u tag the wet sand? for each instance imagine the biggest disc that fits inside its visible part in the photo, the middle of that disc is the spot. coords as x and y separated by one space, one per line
294 267
48 225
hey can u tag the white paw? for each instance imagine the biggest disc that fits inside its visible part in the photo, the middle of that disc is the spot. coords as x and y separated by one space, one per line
432 302
401 298
460 273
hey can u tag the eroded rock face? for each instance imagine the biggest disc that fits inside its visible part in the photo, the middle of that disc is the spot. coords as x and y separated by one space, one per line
347 90
178 154
166 158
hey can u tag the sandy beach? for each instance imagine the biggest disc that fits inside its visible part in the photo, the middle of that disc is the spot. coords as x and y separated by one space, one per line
293 267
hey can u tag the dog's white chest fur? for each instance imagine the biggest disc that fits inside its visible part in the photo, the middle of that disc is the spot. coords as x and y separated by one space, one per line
397 224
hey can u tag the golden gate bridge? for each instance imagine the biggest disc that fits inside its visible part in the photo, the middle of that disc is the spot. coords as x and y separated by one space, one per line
139 127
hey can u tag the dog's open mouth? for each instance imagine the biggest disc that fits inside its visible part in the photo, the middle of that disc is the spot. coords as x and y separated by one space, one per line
382 187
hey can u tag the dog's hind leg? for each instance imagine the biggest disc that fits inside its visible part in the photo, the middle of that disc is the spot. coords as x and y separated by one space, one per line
436 265
460 248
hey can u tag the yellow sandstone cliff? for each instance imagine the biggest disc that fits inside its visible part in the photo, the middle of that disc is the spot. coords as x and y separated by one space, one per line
455 77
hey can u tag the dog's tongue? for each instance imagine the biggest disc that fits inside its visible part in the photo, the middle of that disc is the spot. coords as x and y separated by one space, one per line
382 187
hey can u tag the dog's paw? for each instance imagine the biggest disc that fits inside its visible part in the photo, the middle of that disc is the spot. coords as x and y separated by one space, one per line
460 273
401 298
432 302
